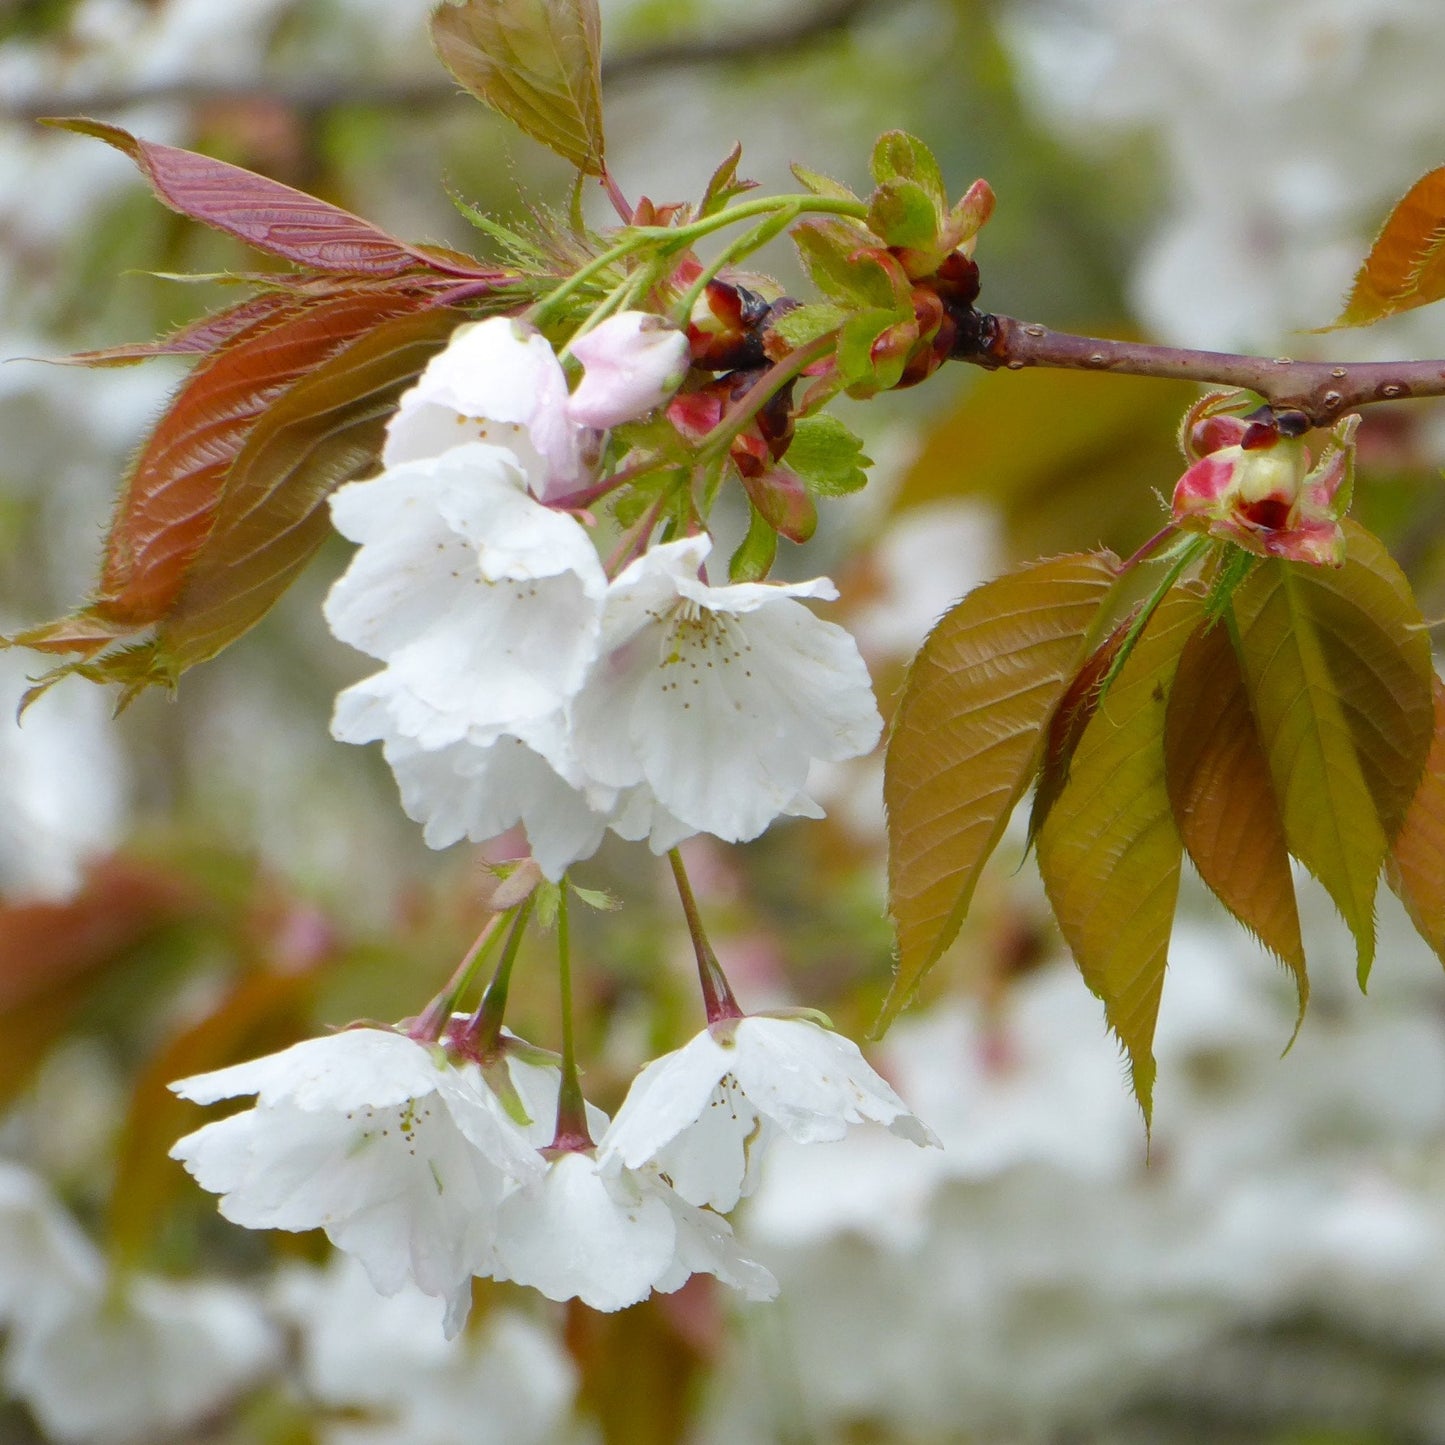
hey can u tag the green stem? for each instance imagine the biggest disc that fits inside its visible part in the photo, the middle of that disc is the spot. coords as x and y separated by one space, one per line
745 245
717 994
670 239
429 1025
482 1033
571 1134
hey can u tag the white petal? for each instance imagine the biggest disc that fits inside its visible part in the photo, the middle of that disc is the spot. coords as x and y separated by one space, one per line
400 1188
465 791
667 1096
333 1072
495 381
813 1083
485 605
578 1236
705 1245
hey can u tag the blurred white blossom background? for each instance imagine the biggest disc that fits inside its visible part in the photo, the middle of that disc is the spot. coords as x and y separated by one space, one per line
1270 1263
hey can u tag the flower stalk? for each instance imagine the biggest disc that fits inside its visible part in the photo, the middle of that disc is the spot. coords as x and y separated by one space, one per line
717 994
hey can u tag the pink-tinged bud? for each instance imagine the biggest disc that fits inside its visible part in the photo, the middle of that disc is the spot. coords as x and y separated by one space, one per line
784 502
1256 488
633 362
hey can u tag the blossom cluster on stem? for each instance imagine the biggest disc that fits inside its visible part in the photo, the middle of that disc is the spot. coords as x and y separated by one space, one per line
523 685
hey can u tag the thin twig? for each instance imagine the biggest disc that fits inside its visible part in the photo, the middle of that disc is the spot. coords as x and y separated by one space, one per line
1321 391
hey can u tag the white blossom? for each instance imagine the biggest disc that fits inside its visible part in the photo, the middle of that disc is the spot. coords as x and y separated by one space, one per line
484 604
495 381
633 362
718 699
609 1238
399 1155
703 1114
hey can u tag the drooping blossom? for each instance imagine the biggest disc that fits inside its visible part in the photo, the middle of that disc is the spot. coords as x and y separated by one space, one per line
632 363
401 1155
610 1237
704 1114
1252 485
719 699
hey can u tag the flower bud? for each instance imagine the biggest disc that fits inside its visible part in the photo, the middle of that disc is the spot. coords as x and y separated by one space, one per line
633 362
1252 486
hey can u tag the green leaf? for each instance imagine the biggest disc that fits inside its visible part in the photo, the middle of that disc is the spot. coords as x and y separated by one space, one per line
1416 865
724 184
754 557
1332 825
1109 853
821 185
902 214
898 156
827 456
1223 800
829 251
965 741
537 62
1405 267
1378 653
805 324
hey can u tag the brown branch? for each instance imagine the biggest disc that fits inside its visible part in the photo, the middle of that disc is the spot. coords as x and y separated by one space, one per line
1321 391
315 96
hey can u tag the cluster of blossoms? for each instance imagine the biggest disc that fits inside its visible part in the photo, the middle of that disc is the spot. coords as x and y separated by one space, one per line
1250 482
524 685
430 1167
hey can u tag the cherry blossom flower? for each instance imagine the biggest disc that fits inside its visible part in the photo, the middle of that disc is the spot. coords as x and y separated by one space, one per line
633 362
496 381
718 699
484 604
399 1155
609 1238
1253 486
703 1115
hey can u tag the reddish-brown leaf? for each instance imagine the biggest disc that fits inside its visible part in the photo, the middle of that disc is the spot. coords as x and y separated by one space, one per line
1416 865
966 738
169 501
1223 800
270 216
326 430
1405 267
202 337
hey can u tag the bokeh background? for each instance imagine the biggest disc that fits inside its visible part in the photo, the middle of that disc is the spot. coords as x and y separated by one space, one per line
210 876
